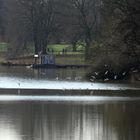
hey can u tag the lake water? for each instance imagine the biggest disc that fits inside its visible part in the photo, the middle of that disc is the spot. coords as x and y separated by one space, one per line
33 117
66 121
21 77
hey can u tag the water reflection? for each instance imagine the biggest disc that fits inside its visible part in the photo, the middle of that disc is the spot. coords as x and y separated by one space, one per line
60 121
7 133
7 128
45 74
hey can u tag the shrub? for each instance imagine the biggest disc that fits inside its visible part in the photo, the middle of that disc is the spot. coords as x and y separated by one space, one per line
112 67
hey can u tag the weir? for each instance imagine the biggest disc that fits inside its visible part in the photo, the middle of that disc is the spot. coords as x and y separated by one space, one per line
87 99
58 92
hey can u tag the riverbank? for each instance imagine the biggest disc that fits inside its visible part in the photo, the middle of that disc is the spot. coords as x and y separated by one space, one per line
60 59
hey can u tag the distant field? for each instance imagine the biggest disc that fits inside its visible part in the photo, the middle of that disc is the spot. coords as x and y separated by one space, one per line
68 57
57 49
64 49
67 47
3 47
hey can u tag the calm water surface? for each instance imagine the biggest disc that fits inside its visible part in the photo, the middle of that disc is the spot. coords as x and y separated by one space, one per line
66 121
44 74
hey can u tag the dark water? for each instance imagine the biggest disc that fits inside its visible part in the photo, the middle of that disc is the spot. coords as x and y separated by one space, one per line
44 74
69 121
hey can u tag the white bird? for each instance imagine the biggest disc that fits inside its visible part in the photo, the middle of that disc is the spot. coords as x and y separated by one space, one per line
96 73
106 72
92 80
115 77
28 67
93 77
106 79
124 73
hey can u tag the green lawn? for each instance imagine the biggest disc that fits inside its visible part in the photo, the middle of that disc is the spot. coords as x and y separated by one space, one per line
69 57
57 48
3 47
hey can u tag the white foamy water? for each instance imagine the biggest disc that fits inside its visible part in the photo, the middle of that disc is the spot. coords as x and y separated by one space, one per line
66 98
12 82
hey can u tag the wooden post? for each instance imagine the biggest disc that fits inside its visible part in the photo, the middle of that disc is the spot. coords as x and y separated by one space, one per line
36 57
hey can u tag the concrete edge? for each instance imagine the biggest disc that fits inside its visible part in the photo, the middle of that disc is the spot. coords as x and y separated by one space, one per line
54 92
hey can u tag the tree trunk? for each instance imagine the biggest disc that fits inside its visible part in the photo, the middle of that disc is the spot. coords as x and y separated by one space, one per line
136 55
44 46
36 45
87 51
44 50
74 47
88 44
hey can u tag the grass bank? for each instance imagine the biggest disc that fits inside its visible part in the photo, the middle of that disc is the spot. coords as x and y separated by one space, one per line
68 59
63 55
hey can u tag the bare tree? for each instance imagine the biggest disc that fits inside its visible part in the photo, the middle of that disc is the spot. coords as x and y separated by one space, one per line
16 31
1 20
38 20
31 21
42 20
129 25
125 15
85 20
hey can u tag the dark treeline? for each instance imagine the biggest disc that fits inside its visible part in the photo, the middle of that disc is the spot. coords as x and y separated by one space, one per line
118 48
101 25
1 20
